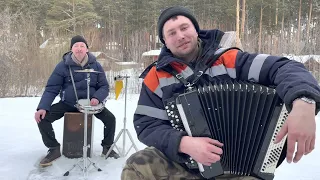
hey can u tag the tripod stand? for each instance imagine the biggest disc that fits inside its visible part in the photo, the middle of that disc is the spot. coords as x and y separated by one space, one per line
124 130
87 162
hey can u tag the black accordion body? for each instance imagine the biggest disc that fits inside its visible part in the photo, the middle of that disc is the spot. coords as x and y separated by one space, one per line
244 116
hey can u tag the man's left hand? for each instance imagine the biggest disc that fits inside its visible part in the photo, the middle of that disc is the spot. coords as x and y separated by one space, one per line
94 102
301 129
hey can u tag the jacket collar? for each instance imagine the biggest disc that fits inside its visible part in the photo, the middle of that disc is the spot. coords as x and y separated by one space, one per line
68 59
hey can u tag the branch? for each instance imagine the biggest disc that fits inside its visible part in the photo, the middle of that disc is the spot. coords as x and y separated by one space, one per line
67 13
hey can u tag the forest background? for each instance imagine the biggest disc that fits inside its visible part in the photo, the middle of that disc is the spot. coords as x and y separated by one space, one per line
34 34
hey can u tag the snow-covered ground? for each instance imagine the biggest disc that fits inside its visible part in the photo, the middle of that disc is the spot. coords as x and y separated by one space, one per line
21 146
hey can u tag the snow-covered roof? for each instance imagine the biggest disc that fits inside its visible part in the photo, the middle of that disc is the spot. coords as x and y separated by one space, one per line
303 58
152 53
126 63
44 44
96 54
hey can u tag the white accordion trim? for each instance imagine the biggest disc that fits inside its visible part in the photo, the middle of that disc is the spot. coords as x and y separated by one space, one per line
274 150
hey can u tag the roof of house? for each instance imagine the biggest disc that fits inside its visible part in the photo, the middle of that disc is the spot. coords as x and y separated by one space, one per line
303 58
152 53
99 53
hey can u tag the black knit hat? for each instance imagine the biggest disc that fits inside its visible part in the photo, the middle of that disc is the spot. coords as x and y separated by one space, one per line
171 12
76 39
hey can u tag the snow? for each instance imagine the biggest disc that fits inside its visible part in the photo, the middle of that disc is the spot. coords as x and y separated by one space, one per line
21 146
127 63
154 52
303 58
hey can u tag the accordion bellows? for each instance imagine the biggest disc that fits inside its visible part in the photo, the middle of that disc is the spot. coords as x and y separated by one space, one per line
244 116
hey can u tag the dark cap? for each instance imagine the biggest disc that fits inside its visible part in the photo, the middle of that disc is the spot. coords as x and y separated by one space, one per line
76 39
171 12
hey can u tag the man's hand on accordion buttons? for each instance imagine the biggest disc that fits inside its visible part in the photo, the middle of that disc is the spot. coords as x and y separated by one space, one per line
202 149
94 102
301 129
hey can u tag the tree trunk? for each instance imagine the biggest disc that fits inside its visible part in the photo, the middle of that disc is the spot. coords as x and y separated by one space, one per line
243 18
277 11
275 46
237 24
260 28
155 34
309 20
299 30
282 30
74 18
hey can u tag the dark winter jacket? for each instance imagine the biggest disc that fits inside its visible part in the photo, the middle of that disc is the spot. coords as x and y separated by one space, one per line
60 82
151 123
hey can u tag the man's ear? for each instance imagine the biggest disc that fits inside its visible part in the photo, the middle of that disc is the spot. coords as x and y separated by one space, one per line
165 43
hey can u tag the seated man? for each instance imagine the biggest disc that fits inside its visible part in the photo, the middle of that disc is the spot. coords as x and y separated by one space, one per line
187 48
60 81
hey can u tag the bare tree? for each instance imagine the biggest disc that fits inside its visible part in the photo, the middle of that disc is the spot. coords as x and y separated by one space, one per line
260 27
243 18
299 30
309 19
238 22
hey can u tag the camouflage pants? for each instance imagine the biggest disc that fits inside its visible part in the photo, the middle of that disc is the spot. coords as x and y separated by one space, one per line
151 164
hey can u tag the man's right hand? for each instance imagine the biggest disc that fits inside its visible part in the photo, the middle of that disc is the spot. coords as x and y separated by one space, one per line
202 149
39 115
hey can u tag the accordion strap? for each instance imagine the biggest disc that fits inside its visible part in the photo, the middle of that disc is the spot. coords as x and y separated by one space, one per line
198 73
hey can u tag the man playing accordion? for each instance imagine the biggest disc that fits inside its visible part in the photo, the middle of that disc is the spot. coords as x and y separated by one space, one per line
186 48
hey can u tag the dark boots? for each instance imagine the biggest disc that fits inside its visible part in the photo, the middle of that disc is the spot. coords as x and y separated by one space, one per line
53 154
112 153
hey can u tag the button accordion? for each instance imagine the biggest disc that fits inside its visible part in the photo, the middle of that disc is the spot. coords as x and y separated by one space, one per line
244 116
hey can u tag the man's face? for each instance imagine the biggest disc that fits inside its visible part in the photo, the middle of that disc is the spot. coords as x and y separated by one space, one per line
180 36
79 49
